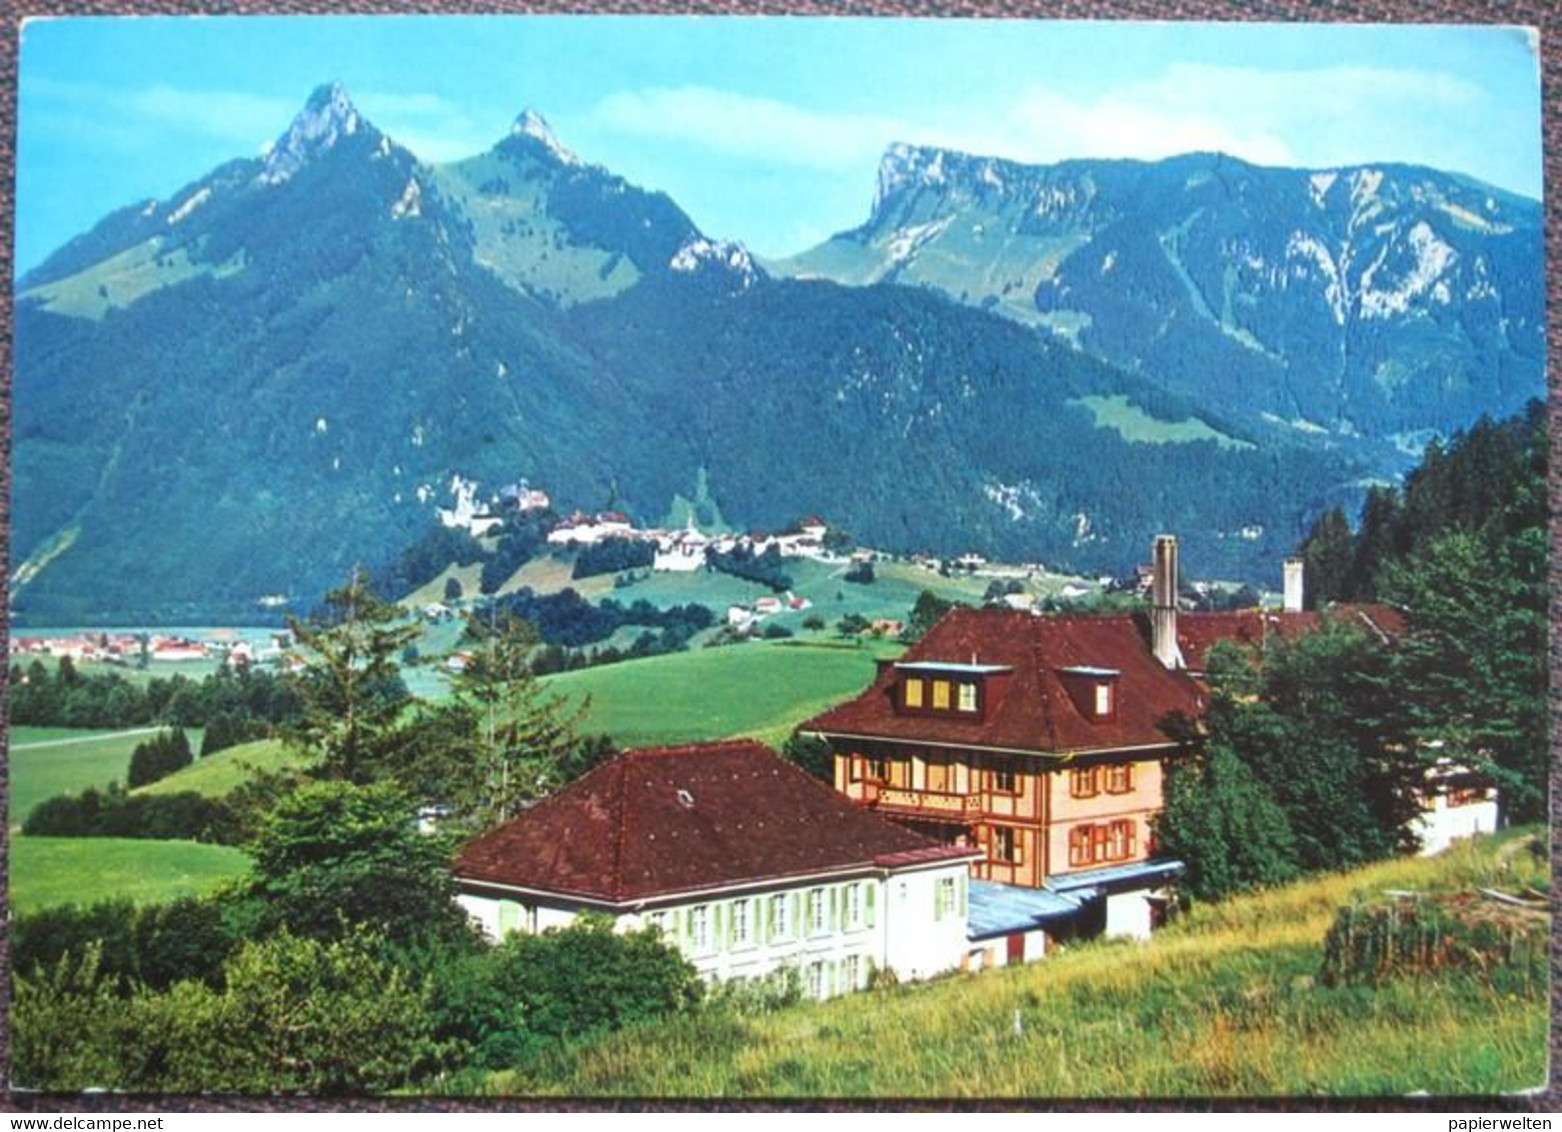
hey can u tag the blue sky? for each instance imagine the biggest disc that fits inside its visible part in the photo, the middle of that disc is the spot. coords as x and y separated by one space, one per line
767 130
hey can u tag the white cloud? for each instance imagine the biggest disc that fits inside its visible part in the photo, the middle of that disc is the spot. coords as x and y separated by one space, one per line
1266 116
739 125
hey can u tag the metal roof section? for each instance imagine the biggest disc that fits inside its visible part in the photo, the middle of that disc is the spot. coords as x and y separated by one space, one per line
1119 878
1002 909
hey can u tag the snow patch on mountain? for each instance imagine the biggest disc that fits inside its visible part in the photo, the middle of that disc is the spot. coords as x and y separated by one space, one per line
727 254
1432 259
1321 183
531 124
326 118
197 198
1310 249
905 243
411 201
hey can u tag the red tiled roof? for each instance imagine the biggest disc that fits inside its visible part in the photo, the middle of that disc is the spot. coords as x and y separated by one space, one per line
1029 708
1197 633
661 821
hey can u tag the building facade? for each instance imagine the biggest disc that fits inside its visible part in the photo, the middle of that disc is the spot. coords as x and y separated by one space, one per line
743 861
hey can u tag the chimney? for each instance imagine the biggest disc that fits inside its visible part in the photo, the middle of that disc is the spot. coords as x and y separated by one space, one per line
1163 597
1294 568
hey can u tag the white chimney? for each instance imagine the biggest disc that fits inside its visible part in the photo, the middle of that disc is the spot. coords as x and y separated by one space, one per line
1294 569
1163 608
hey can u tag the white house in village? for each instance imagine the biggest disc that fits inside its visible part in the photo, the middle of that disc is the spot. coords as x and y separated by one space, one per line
745 862
1455 804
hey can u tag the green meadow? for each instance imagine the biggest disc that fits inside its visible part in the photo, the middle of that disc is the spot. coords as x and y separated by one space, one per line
760 689
1225 1002
45 761
46 871
219 773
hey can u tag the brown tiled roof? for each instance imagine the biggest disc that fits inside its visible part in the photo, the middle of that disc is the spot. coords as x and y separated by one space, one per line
1029 708
1197 633
668 820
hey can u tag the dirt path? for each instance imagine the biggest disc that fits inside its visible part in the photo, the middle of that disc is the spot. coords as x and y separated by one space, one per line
83 739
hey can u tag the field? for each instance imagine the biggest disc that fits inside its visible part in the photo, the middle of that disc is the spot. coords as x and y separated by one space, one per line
762 689
46 871
46 761
1224 1002
219 773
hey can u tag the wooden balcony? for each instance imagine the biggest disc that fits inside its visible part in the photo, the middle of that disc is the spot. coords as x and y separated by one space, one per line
928 802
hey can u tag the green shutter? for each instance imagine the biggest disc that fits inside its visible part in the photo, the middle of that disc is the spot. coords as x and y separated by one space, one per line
680 924
960 885
938 900
715 928
732 925
835 910
509 917
869 895
798 930
769 921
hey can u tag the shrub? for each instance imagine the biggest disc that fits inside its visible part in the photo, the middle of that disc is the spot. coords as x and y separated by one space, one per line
1411 936
185 816
159 757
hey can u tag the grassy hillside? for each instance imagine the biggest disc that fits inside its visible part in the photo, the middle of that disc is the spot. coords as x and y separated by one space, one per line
1225 1002
758 689
46 761
47 871
217 774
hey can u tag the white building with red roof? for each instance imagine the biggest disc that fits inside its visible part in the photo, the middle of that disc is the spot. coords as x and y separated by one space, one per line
744 861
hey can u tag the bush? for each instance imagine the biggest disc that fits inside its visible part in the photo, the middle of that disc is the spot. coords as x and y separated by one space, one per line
159 757
157 945
1460 932
185 816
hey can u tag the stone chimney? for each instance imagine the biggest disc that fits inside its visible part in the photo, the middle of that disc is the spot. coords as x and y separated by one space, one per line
1294 570
1163 598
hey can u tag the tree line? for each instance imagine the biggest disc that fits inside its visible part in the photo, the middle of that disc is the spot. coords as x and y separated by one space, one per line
1316 749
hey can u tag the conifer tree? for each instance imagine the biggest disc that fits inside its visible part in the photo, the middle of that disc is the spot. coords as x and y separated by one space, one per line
351 689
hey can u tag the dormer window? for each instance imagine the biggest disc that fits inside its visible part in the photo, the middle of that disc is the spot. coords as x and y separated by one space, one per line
933 687
1093 690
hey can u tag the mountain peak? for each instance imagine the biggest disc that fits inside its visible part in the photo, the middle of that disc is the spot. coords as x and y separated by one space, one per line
530 124
327 117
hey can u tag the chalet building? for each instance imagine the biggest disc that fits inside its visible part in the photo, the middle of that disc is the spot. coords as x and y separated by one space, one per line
1042 741
745 862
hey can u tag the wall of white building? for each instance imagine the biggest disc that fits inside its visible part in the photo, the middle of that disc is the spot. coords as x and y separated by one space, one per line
835 933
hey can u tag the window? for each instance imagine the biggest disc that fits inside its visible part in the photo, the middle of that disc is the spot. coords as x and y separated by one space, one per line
876 770
1103 700
1120 778
1005 846
780 917
853 905
940 695
1003 780
657 920
1120 841
1079 848
1084 782
851 971
913 692
816 980
815 911
699 928
967 700
740 927
1093 844
944 898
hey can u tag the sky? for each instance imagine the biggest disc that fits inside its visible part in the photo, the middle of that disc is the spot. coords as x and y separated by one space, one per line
768 130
